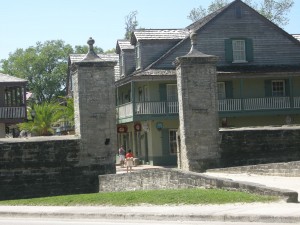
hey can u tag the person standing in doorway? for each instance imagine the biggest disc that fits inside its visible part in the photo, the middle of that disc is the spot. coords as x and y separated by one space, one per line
122 155
129 160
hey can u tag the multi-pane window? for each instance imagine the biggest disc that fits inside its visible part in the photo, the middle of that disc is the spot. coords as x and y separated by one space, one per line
239 50
278 88
172 95
221 90
172 142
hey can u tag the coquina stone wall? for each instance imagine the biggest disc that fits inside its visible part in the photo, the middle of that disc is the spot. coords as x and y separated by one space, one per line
285 169
250 146
42 166
46 166
152 179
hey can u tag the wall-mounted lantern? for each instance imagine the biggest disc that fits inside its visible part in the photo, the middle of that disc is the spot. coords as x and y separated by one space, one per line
159 126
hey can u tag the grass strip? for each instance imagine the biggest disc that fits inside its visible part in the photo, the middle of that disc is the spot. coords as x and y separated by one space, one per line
154 197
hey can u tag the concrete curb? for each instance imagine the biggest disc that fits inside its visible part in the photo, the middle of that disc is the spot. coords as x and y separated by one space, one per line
252 212
159 217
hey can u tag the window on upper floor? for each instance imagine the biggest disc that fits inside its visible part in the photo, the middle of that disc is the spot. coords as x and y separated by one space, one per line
172 95
143 94
225 90
278 88
221 90
238 50
138 56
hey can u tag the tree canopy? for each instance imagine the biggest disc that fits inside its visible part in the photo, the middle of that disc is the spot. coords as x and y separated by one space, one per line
83 49
275 11
130 24
43 65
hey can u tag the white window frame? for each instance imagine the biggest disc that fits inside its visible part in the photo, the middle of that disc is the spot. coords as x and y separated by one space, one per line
275 90
239 51
172 94
172 142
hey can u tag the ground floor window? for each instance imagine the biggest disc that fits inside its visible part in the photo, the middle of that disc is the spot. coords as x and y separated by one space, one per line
172 141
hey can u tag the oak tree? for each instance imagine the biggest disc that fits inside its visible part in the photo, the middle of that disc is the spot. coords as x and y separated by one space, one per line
276 11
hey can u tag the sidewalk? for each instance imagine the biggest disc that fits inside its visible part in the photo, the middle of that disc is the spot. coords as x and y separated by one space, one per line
290 183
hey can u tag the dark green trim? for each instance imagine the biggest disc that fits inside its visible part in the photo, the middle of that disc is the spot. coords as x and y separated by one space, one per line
229 89
268 88
163 92
249 49
170 160
228 51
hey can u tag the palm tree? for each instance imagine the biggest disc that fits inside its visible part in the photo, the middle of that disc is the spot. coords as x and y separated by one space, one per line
45 116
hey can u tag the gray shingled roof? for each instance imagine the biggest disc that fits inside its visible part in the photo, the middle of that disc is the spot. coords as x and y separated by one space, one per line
123 45
5 78
158 34
200 23
105 57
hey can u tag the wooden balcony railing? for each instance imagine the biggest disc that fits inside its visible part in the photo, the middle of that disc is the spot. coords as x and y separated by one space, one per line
125 110
267 103
296 102
12 112
225 105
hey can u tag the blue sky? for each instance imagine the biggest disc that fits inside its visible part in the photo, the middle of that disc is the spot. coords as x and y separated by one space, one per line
25 22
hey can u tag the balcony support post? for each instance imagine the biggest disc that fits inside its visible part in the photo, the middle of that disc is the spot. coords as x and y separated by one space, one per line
132 92
241 93
291 92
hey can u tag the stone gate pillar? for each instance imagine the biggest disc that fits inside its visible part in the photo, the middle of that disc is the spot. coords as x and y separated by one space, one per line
198 114
95 117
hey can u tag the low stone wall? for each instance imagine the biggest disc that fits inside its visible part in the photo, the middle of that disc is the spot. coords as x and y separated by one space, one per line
152 179
46 166
288 169
260 145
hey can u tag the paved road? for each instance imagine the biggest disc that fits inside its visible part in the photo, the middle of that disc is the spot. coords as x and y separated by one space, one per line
34 221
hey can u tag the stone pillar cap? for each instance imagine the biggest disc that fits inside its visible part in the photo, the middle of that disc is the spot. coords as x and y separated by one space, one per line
91 55
194 51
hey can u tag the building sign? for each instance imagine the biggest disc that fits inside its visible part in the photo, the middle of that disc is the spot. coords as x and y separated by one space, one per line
137 127
122 129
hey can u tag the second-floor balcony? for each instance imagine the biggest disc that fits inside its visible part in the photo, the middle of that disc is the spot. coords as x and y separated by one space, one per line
146 108
13 112
225 106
